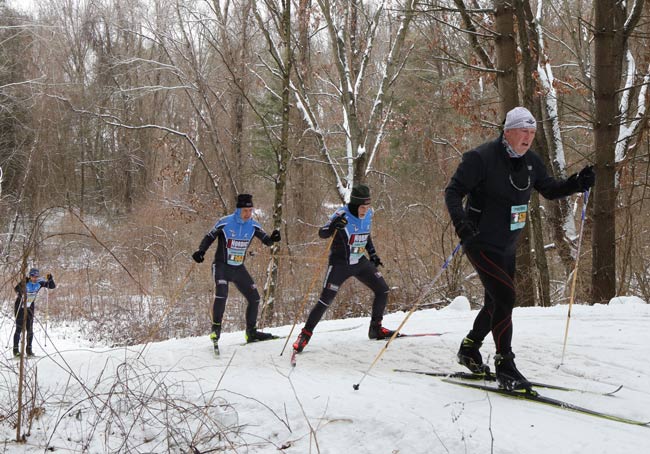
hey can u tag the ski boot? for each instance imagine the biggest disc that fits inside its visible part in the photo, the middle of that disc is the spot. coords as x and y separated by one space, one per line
470 357
16 352
253 335
302 341
508 377
214 337
376 331
29 351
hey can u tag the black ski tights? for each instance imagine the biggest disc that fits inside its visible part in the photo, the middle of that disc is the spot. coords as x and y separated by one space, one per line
496 272
238 275
367 273
20 313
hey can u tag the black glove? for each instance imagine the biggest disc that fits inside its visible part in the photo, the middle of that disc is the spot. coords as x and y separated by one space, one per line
586 178
339 222
198 256
466 230
275 236
374 258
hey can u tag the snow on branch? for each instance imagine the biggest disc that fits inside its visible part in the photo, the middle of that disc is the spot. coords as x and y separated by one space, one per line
304 107
628 129
368 51
550 95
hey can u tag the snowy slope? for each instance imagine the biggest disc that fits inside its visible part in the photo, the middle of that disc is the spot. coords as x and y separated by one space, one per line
153 398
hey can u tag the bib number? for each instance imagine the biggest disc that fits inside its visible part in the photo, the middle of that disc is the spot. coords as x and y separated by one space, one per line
235 258
357 247
518 215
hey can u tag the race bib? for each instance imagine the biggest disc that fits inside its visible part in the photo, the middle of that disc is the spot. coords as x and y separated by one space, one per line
518 217
236 251
357 247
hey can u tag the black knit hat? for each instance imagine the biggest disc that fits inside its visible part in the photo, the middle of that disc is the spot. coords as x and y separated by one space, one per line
244 201
360 195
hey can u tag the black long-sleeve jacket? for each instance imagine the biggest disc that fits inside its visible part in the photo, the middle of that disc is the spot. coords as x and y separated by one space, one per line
498 189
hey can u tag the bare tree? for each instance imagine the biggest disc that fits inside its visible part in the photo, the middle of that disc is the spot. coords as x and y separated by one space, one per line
353 49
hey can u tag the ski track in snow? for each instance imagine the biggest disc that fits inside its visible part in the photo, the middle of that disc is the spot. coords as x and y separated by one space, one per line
392 413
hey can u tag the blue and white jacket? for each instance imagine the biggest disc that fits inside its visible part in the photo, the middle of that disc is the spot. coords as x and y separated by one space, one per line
31 292
351 243
234 236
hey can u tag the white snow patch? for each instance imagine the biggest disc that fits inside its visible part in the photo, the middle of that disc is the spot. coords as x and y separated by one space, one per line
460 304
625 300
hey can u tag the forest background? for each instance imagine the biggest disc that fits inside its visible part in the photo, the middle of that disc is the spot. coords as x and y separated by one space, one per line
128 127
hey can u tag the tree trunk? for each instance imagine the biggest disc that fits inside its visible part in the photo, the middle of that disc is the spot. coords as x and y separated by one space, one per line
282 155
607 72
508 91
506 52
304 196
528 42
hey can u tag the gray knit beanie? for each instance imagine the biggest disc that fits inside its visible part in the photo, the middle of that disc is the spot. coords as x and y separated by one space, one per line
519 117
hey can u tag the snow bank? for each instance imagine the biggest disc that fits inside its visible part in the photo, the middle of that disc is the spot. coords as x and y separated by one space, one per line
459 304
625 300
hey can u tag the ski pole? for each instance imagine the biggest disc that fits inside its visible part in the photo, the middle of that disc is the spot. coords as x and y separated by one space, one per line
575 273
47 312
415 306
304 301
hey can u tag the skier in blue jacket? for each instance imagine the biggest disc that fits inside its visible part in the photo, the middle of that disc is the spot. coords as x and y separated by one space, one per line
234 234
28 292
351 225
497 179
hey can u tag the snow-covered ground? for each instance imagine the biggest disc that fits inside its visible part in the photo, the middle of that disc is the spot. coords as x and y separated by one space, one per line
168 396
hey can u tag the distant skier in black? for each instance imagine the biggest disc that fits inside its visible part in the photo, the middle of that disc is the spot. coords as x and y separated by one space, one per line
498 177
27 294
234 234
351 224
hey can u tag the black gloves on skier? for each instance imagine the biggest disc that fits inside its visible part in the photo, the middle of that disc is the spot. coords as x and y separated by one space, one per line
466 230
275 236
198 256
374 258
584 179
338 223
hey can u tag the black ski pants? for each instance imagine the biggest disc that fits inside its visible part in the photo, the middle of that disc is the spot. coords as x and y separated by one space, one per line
19 310
223 274
367 273
497 272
